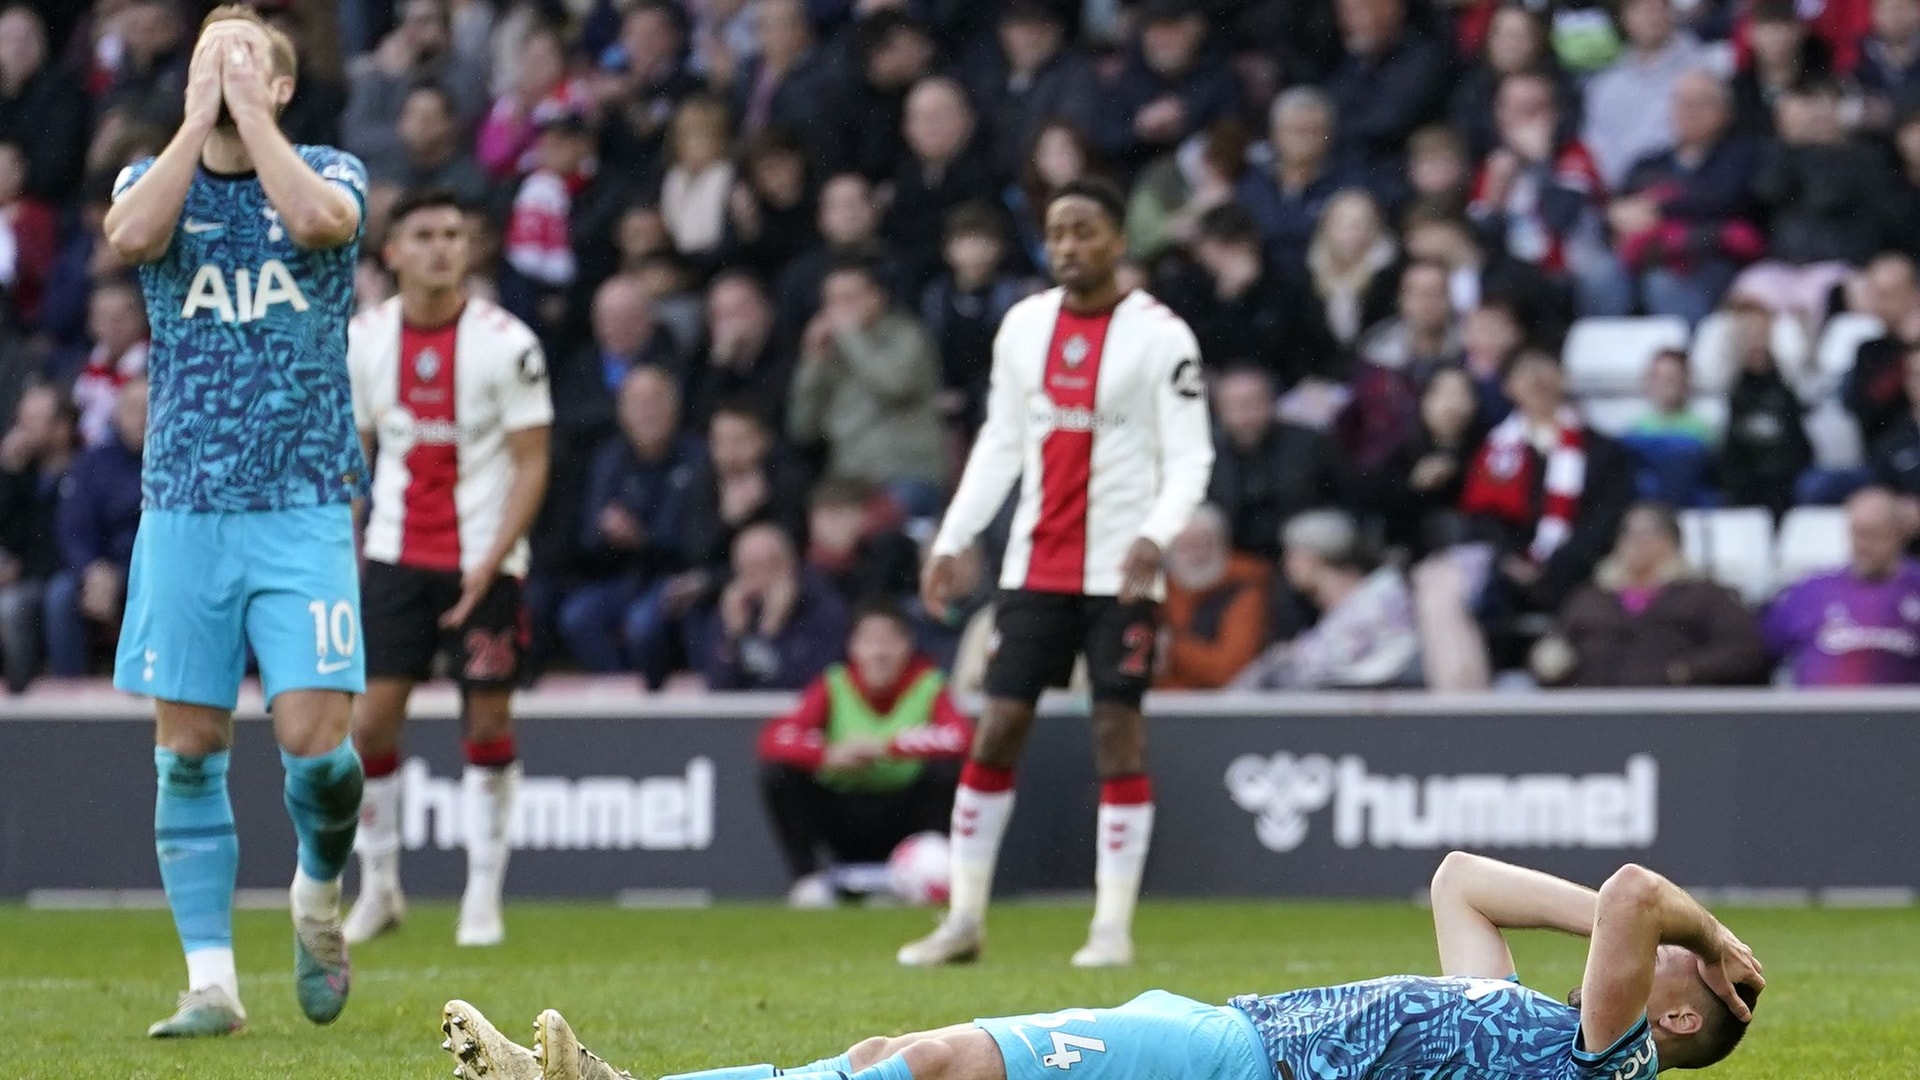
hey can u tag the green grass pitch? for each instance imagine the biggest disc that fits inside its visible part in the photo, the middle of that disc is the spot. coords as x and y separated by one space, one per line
662 991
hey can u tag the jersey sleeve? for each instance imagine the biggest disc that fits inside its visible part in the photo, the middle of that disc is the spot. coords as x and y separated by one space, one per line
129 175
525 401
1631 1057
342 168
999 451
1186 434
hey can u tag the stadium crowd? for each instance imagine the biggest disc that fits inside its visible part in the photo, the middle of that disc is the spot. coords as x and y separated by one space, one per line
767 244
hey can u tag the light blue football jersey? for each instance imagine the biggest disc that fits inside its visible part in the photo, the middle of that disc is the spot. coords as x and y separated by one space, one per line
1414 1027
251 405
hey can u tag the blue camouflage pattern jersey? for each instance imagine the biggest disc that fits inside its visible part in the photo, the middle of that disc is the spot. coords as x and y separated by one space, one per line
1413 1027
251 404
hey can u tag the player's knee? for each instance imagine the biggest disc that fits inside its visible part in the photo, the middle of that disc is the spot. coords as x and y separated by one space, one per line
1119 739
931 1060
1002 735
309 722
489 716
191 730
867 1051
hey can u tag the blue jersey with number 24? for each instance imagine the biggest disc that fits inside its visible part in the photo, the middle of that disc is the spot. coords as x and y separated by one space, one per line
250 402
1412 1027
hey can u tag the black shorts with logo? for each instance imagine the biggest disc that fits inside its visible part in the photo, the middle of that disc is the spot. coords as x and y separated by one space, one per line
1037 636
401 607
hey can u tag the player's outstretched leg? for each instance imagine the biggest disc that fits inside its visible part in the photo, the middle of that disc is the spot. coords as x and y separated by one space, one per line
488 787
323 798
480 1051
381 905
199 857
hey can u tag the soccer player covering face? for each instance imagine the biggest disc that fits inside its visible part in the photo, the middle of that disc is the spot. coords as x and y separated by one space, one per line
1666 987
1097 410
246 247
450 395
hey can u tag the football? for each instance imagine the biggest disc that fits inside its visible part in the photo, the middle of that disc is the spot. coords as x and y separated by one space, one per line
917 869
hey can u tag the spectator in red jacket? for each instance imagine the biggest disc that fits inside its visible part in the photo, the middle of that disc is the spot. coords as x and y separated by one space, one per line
868 758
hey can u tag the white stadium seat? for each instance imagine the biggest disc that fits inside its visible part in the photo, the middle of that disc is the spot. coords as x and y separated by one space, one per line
1607 355
1839 341
1738 544
1711 355
1835 435
1813 539
1611 414
1712 408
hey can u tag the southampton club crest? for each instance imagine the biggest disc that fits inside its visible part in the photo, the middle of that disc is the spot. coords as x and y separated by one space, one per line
426 365
1074 352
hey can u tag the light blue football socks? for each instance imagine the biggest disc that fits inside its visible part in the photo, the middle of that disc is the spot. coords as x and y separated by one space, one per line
198 849
323 799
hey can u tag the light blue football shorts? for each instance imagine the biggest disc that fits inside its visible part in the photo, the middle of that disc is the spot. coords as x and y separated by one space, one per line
1159 1035
204 587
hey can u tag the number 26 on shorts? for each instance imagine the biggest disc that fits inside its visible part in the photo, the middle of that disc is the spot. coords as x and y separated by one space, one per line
1067 1048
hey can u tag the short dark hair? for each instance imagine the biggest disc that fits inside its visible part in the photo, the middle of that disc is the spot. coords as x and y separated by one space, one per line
853 264
881 607
1720 1030
1100 191
1662 513
976 218
872 33
839 491
429 198
1229 223
740 408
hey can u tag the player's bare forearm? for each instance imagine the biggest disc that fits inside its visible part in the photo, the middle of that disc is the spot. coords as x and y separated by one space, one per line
139 225
531 453
1513 897
1635 912
1475 897
317 213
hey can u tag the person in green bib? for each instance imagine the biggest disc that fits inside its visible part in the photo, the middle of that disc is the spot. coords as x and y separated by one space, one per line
869 757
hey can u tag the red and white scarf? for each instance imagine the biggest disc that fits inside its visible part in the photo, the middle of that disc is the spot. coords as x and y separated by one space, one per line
1502 480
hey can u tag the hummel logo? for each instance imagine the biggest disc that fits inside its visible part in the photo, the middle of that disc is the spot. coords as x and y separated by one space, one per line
325 668
195 228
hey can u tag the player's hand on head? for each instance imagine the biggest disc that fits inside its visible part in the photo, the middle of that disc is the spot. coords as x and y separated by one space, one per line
243 81
1736 966
205 73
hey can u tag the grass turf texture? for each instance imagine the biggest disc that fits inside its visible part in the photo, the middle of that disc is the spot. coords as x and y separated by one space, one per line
661 991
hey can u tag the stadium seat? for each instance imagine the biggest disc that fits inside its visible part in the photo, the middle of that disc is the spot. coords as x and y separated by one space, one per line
1711 355
1693 539
1839 341
1738 544
1607 355
1813 539
1711 407
1612 414
1835 435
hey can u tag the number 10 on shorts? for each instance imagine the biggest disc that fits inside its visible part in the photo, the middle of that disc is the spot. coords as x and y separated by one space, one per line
334 635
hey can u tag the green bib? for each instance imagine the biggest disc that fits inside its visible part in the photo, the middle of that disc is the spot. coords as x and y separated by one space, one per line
850 716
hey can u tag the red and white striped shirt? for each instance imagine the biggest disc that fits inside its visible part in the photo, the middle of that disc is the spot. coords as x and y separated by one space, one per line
1104 418
441 401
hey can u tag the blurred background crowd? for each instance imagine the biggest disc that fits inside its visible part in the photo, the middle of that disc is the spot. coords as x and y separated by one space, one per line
1550 342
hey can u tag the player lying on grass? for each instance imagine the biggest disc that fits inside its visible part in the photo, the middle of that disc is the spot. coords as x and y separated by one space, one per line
1665 986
